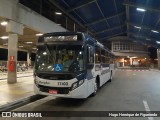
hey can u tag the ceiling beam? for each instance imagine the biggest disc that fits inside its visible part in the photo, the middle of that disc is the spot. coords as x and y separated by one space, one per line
127 16
144 37
102 39
149 42
106 18
102 13
142 26
82 5
67 14
106 30
141 6
156 46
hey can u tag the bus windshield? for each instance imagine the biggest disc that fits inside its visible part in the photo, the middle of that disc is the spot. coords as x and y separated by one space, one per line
60 58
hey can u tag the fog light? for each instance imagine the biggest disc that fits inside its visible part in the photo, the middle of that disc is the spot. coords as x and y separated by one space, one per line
75 85
81 82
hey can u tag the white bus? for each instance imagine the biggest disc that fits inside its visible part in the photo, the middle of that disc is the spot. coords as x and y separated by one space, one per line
72 65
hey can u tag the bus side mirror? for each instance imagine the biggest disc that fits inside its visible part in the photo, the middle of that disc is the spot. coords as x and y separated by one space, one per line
90 66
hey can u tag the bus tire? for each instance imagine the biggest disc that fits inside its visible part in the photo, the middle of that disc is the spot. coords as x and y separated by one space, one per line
110 80
96 86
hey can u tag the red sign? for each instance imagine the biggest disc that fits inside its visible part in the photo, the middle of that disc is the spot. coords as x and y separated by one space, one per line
53 91
11 66
11 58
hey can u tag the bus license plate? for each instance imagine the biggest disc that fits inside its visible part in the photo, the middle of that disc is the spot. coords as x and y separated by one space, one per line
53 91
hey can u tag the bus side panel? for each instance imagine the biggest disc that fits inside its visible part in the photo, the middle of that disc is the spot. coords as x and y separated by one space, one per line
91 80
105 74
105 77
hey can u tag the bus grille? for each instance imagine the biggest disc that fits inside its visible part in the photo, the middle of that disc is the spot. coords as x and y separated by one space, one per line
64 90
55 76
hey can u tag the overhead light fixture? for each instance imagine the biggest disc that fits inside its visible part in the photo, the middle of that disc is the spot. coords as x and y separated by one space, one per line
20 46
4 37
44 53
58 24
34 48
158 42
4 23
58 13
39 34
141 9
154 31
5 44
29 42
148 39
137 27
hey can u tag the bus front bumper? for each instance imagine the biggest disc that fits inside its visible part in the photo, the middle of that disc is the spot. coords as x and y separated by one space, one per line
79 92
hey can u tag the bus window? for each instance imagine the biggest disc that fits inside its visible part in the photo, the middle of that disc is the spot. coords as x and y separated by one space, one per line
102 56
97 56
107 58
90 54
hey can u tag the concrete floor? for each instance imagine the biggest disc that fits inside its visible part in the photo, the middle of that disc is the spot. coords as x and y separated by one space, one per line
126 92
13 92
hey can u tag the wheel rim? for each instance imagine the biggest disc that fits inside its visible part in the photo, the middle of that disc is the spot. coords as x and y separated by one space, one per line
111 76
95 87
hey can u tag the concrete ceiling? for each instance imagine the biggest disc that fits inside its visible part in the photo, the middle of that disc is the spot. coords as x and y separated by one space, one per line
29 35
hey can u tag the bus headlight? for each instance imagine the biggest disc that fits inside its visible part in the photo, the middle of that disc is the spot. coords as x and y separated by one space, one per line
77 84
80 82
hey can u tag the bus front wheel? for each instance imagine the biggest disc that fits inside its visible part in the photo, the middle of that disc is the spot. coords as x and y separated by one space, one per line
110 80
95 88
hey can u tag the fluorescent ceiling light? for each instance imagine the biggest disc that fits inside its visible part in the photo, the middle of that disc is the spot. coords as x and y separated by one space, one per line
4 37
58 13
21 46
141 9
4 23
39 34
154 31
5 44
158 42
137 27
44 53
34 48
29 42
58 24
148 39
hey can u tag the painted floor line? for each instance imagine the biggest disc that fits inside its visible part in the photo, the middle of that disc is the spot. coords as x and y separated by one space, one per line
146 106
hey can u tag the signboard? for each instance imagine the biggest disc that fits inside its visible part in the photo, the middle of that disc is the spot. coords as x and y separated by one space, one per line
60 38
11 58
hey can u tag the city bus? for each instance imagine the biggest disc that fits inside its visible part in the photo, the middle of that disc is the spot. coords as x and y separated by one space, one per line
71 64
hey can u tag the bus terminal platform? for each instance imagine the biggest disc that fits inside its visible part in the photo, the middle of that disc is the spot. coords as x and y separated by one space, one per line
13 92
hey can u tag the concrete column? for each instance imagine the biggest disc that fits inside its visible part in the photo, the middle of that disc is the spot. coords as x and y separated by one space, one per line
112 46
131 61
147 60
158 56
13 28
29 58
12 56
